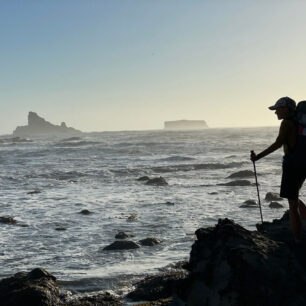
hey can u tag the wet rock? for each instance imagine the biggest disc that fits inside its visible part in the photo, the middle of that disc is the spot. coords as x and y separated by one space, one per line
61 228
237 183
232 266
85 212
7 220
169 203
122 245
242 174
149 241
124 235
249 204
157 181
275 205
132 217
39 288
105 299
160 302
272 196
157 287
143 178
34 191
36 288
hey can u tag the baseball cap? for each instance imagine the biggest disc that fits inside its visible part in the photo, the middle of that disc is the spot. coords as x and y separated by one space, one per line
284 102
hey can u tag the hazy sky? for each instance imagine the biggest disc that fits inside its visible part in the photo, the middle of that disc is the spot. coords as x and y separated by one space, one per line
133 64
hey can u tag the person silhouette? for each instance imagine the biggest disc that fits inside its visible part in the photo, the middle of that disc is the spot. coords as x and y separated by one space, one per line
292 177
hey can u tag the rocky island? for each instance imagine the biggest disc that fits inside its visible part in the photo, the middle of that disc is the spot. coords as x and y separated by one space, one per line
185 125
39 126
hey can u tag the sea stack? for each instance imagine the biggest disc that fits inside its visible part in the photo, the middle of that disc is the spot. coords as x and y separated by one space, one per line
39 126
185 125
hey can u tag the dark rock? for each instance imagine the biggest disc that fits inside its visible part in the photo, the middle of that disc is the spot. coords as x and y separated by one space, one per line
237 183
143 178
242 174
157 287
249 204
124 235
132 217
39 288
122 245
232 266
7 220
39 126
272 196
36 288
34 191
61 228
105 299
149 241
169 203
85 212
275 205
157 181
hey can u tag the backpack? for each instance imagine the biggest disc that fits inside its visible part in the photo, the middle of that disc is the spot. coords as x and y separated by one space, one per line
299 154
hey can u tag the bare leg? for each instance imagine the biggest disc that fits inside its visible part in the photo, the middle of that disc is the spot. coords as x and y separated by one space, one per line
302 209
295 219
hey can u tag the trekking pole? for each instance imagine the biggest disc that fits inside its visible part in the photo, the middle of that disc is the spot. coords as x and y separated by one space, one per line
252 153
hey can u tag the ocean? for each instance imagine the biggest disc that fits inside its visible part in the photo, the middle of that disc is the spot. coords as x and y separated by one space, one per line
46 183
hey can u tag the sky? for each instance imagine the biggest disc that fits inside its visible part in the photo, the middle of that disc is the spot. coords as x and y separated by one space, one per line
106 65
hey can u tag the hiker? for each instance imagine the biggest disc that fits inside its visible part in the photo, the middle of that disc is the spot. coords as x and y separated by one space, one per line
292 177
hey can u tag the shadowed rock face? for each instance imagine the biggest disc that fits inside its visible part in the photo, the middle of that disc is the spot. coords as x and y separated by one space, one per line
232 266
39 288
39 126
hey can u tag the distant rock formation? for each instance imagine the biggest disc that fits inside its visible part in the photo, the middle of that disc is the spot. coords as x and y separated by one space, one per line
185 125
39 126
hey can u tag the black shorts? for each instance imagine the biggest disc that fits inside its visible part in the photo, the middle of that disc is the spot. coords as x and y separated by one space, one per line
293 178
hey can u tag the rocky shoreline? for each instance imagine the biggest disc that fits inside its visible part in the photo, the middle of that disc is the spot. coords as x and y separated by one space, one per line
228 266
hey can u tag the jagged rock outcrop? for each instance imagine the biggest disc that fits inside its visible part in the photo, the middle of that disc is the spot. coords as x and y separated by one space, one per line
39 288
39 126
232 266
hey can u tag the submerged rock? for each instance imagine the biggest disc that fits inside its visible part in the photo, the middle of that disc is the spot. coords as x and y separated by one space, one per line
237 183
249 204
124 235
61 228
7 220
169 203
272 196
34 191
157 181
242 174
85 212
149 241
143 178
122 245
275 205
132 217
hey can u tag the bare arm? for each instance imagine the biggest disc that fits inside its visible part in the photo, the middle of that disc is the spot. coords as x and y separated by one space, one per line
276 145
